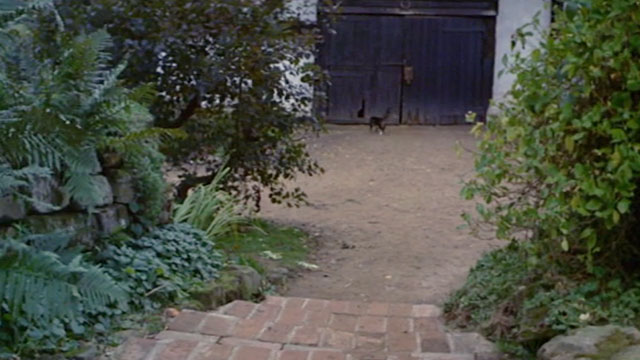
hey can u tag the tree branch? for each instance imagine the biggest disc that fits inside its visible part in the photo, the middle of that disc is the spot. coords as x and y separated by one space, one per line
185 115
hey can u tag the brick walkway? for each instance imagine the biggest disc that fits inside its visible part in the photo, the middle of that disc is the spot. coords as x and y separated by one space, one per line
307 329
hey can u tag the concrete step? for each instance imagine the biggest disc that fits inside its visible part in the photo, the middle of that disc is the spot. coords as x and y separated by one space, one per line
282 328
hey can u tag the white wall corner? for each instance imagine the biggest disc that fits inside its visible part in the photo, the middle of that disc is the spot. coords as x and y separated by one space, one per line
513 14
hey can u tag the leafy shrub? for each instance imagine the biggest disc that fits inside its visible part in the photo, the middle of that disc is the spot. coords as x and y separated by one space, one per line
163 266
225 72
523 305
211 209
47 297
558 171
560 165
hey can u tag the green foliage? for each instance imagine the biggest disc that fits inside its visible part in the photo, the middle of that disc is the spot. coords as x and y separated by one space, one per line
523 305
227 73
59 107
211 209
163 266
560 165
248 246
145 165
12 180
557 173
47 297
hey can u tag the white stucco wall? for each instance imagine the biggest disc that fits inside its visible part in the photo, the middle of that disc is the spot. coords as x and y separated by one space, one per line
512 14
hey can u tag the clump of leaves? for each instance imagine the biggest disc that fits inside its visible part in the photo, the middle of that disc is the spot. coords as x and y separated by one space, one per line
145 166
560 165
558 171
211 209
49 294
164 265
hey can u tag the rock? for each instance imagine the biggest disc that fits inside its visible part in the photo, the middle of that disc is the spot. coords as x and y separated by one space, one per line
589 342
472 343
171 312
11 209
235 283
122 185
89 351
111 219
250 279
218 292
49 196
630 353
82 226
278 276
103 197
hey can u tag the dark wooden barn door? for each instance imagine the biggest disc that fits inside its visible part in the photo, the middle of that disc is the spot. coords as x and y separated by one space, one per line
426 69
364 60
451 63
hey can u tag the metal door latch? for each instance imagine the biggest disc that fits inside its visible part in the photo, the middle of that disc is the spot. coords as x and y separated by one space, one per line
407 74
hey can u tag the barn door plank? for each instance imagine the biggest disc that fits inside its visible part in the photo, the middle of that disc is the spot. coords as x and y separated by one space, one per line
363 58
451 65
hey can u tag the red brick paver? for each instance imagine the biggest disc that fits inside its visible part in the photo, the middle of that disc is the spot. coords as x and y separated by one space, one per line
283 328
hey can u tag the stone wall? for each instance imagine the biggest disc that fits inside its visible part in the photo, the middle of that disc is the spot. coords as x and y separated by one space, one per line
86 219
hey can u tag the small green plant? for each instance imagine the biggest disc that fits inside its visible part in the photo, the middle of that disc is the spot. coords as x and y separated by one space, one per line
211 209
145 165
48 294
163 266
265 240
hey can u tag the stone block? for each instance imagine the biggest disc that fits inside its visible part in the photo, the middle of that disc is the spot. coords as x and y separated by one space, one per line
49 196
81 226
103 197
11 209
96 167
122 186
250 279
630 353
589 342
111 219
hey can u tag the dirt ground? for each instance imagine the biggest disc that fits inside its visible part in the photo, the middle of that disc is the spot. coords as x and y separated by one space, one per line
386 215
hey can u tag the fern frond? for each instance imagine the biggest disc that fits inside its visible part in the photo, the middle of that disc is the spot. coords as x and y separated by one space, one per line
38 285
33 282
97 288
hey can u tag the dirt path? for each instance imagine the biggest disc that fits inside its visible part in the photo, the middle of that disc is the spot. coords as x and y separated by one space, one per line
387 215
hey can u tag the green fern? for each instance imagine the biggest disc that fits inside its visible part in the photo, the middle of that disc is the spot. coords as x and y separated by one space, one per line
38 285
45 294
58 110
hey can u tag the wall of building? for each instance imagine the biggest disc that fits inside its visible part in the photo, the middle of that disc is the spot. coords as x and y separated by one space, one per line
512 14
